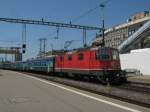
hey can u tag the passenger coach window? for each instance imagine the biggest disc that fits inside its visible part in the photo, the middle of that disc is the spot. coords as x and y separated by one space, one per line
80 56
69 56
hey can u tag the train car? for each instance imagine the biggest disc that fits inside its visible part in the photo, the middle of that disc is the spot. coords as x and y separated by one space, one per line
6 65
102 63
41 65
19 65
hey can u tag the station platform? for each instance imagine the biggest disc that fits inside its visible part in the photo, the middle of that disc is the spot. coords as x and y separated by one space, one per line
140 78
22 93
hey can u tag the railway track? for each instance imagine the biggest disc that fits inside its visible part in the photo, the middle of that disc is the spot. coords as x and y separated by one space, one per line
123 92
137 87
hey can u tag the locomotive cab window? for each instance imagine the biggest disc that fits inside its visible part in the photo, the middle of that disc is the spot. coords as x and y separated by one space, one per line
102 54
80 56
115 55
69 57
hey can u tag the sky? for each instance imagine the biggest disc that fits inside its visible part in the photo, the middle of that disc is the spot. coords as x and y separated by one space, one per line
115 12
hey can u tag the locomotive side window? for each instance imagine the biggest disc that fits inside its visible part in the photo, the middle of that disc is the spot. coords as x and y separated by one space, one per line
102 54
115 55
80 56
69 57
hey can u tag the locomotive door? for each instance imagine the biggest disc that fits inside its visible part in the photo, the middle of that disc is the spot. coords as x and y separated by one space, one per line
92 60
53 65
61 63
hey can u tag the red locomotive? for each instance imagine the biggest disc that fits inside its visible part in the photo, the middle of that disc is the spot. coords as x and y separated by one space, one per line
102 63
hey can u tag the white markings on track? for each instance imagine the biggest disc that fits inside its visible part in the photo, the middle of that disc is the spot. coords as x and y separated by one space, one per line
85 95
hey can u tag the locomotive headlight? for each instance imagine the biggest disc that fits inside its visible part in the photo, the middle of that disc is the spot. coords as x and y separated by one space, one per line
114 65
117 75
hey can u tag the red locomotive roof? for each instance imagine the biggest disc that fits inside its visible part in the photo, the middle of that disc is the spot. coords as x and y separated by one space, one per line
61 52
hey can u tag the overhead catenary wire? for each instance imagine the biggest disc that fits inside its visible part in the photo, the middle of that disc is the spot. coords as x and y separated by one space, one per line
9 41
102 4
48 36
79 17
84 14
89 11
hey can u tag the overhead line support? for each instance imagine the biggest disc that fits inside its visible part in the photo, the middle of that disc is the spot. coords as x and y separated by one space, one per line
57 25
41 22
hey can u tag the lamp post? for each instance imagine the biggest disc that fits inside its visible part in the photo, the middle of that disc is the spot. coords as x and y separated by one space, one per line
103 26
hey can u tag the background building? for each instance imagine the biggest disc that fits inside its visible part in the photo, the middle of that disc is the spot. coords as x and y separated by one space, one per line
117 34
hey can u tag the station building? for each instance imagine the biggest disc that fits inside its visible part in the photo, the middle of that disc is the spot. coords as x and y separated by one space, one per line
119 33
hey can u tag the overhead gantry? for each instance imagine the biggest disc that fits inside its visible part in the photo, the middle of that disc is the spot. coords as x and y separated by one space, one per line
55 24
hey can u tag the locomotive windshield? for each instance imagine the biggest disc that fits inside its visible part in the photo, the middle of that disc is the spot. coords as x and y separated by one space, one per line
115 55
102 54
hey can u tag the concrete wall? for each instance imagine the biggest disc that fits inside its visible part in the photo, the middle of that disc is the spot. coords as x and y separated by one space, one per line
137 59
